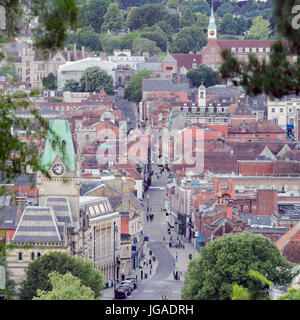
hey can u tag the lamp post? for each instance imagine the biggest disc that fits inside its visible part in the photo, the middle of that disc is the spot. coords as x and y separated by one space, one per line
118 259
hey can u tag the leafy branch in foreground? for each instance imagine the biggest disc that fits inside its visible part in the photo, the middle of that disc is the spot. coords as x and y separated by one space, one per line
18 153
278 77
56 18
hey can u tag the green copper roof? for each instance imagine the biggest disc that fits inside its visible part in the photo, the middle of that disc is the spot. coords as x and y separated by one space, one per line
61 129
212 24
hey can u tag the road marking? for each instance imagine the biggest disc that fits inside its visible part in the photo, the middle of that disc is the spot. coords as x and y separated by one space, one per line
148 291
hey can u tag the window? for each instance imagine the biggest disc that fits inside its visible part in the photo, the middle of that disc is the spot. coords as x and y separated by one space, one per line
194 65
169 68
39 254
233 50
254 207
240 50
247 50
273 109
246 207
275 120
212 49
281 109
262 208
86 137
253 49
32 255
212 58
206 58
218 58
268 50
20 256
261 49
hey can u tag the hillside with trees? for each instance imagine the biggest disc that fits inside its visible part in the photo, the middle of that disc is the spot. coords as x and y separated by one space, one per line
176 25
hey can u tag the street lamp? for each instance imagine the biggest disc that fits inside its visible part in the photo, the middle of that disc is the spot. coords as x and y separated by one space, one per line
118 261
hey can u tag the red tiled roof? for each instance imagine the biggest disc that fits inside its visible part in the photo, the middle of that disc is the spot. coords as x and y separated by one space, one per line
257 127
288 236
228 44
187 60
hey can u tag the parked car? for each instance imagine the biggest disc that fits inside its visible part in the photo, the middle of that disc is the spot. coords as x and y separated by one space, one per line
120 293
127 287
128 282
133 280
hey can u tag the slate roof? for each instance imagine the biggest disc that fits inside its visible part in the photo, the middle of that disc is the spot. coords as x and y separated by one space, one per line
169 58
154 66
9 217
163 85
38 224
61 208
256 220
268 230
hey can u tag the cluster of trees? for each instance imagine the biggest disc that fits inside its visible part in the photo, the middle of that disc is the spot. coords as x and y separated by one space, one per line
94 79
59 276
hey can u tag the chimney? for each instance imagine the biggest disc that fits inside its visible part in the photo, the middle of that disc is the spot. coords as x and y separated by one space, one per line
229 212
125 195
75 51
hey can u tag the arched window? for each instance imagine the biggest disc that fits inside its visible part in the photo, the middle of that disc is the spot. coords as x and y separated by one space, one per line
53 144
32 255
20 256
38 255
63 144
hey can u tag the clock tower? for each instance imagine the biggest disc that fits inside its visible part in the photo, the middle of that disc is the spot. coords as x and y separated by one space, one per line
63 166
212 28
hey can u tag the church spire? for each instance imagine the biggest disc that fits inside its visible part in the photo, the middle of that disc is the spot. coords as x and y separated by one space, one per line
212 28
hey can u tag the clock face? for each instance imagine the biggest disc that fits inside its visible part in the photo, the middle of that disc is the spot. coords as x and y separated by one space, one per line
212 33
58 169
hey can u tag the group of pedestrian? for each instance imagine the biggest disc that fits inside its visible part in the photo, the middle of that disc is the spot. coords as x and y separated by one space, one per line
150 217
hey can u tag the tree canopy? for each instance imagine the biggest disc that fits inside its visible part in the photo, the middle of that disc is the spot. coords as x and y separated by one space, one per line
204 75
113 19
259 29
37 274
96 79
65 287
49 82
228 260
133 90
